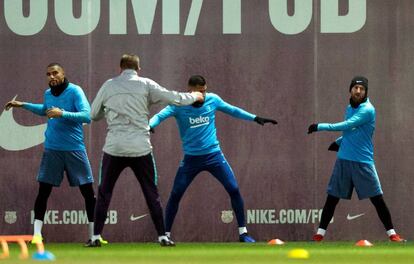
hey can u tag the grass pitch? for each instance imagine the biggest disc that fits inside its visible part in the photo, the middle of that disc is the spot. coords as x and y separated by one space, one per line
326 252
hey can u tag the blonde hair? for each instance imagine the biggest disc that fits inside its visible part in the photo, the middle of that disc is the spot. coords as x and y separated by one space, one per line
129 61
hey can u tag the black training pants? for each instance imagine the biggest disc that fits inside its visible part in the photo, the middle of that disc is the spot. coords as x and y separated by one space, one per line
144 170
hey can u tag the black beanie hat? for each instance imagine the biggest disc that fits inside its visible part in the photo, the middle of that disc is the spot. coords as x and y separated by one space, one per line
361 80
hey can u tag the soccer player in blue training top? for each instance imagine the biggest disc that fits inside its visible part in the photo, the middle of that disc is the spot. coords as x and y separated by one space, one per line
355 165
67 108
202 150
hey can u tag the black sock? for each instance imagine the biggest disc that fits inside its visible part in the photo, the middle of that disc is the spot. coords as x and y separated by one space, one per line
328 211
41 200
90 199
382 211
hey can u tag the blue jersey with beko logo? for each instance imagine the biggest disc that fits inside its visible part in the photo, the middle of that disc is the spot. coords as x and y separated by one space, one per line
197 125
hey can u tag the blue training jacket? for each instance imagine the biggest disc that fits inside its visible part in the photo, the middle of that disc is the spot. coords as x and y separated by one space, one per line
358 129
197 125
65 133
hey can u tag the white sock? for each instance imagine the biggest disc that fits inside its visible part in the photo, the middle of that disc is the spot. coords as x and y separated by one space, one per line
96 237
168 234
162 238
321 232
37 227
391 232
242 230
90 229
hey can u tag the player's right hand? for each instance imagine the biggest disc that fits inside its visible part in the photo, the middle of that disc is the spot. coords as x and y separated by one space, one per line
199 96
312 128
261 120
151 130
12 103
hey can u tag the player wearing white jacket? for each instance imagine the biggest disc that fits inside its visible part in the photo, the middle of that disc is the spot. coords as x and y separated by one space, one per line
124 101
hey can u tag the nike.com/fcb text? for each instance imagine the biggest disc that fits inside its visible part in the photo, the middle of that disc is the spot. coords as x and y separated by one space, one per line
72 217
284 216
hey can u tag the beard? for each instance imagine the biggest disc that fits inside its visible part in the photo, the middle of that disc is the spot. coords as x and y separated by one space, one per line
57 89
55 83
356 101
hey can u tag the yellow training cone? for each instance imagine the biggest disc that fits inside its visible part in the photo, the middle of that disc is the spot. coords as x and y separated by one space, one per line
298 253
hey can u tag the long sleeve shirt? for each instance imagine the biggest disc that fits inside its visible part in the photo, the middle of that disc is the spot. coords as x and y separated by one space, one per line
197 125
64 133
357 131
124 101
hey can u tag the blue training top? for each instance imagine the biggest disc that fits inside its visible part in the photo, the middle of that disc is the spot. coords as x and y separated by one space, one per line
197 125
64 133
358 129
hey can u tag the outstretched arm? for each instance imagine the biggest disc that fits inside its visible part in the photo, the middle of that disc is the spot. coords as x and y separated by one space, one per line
358 119
37 109
159 94
161 116
234 111
242 114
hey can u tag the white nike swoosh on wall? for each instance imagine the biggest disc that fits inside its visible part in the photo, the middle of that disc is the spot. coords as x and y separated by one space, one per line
135 218
14 136
349 217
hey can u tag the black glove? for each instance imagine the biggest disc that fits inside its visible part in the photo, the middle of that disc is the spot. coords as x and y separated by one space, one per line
334 147
312 128
151 130
262 120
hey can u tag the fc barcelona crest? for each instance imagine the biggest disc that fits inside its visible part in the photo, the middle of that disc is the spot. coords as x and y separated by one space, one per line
10 217
227 216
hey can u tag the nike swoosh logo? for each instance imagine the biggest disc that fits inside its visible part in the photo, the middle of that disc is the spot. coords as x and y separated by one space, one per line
349 217
14 136
135 218
203 124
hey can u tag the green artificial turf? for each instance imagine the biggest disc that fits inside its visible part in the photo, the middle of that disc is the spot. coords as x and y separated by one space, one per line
326 252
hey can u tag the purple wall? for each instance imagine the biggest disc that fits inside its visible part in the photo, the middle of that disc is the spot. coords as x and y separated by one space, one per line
294 70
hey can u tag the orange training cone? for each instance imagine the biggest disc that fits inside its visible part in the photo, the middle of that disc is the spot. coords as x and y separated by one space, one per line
275 241
363 243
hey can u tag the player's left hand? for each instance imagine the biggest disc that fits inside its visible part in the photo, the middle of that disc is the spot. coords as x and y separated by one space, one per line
262 120
54 112
333 147
312 128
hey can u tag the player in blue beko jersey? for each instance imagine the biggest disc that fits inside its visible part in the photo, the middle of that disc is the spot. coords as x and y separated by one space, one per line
202 149
355 166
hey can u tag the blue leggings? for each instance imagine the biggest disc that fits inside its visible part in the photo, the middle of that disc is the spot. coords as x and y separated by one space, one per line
190 167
